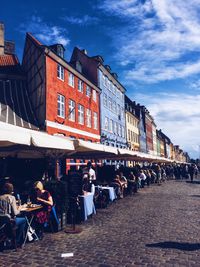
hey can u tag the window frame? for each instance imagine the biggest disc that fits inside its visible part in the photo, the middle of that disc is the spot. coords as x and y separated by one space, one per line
80 82
72 110
71 80
60 72
81 114
61 106
95 120
88 118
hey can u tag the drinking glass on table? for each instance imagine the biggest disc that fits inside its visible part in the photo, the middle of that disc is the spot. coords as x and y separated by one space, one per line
29 202
18 200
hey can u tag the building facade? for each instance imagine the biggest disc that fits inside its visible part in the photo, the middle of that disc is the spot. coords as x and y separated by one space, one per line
132 125
66 103
112 104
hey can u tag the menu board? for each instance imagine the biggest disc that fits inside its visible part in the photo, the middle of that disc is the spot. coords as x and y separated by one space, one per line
75 183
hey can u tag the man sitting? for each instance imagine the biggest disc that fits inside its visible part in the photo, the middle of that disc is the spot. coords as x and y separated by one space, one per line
8 207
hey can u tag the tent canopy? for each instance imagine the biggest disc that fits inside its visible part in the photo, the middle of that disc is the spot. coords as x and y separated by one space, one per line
89 150
24 143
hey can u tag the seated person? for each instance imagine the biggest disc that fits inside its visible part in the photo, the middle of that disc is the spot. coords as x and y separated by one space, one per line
142 178
123 180
132 187
118 186
9 207
44 198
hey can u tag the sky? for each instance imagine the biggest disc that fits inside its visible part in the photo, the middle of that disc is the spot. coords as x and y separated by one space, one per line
153 46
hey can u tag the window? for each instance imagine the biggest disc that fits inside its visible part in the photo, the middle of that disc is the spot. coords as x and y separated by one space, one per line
78 66
111 126
110 103
115 127
114 106
72 110
118 112
129 135
114 89
71 79
89 118
106 123
61 106
95 120
94 93
60 72
108 84
80 114
122 113
104 79
123 132
119 130
60 51
105 100
88 91
80 86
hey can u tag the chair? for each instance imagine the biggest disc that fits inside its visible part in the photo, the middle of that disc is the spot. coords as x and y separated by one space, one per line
7 231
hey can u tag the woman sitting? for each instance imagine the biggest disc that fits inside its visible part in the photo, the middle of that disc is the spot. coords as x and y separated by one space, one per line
44 198
8 207
118 186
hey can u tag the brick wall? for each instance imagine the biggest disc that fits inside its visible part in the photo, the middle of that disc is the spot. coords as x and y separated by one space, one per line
55 86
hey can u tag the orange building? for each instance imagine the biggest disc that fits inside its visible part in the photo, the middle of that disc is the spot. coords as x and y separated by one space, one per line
65 101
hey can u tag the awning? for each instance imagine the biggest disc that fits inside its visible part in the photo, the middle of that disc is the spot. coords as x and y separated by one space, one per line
125 154
89 150
11 137
24 143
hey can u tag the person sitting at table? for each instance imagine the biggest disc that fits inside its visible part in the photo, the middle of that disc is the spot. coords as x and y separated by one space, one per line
123 181
131 183
8 206
118 186
43 198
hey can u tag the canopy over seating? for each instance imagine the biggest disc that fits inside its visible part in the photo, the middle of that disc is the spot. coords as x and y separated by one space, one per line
89 150
24 143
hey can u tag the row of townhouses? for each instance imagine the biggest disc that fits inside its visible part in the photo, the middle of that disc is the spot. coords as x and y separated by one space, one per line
81 99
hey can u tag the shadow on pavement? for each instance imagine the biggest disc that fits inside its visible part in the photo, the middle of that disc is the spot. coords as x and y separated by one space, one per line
195 195
175 245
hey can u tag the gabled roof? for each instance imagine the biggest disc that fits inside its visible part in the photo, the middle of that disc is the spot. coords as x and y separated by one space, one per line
28 34
8 60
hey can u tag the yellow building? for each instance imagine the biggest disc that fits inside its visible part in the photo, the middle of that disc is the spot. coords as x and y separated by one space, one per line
132 126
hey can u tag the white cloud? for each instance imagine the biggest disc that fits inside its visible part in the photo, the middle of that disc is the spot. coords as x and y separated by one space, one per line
82 21
49 34
178 115
158 36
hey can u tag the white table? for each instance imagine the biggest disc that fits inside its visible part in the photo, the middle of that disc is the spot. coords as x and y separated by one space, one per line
88 204
111 191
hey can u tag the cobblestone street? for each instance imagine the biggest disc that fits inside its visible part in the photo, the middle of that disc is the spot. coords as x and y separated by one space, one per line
158 226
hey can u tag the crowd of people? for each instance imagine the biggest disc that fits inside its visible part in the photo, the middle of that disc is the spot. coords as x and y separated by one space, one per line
124 180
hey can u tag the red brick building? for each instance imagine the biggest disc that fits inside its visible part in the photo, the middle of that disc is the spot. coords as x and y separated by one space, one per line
149 131
64 100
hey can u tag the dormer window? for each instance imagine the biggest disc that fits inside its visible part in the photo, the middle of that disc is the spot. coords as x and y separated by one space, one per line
60 51
79 66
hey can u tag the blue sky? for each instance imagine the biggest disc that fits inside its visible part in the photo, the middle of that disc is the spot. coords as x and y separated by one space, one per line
153 45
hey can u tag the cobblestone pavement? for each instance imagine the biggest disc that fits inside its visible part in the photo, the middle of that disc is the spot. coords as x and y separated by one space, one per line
158 226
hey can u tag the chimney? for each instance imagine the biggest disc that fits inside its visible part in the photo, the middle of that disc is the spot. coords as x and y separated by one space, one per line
84 51
1 39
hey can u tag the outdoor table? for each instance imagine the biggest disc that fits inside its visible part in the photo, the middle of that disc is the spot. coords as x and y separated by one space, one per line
29 214
111 191
88 205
